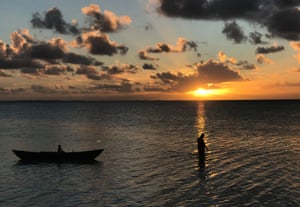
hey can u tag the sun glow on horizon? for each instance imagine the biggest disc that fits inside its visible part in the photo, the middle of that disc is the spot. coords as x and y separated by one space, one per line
206 92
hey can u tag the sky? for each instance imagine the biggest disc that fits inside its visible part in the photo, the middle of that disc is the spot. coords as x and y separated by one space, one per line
150 50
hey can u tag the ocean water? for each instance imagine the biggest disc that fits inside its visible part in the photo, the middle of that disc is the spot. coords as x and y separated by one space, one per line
150 153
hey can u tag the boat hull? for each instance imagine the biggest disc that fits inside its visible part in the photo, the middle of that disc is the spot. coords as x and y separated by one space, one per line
58 156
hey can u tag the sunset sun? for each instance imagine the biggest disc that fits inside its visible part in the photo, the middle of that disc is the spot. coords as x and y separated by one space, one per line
204 92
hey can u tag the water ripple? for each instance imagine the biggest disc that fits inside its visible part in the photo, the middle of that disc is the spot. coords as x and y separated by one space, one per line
150 156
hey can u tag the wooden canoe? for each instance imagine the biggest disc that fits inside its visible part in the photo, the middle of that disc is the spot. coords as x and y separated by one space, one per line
58 156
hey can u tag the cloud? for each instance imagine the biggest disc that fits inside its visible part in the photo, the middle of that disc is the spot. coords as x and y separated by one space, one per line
143 55
17 63
245 65
256 38
242 64
44 89
124 87
234 32
34 57
90 37
17 54
106 21
147 66
168 77
215 72
54 69
261 59
54 49
53 19
223 58
26 52
91 73
154 88
285 23
182 45
170 82
97 20
120 68
99 44
209 72
210 9
288 84
4 74
280 17
296 47
266 50
74 58
30 71
11 91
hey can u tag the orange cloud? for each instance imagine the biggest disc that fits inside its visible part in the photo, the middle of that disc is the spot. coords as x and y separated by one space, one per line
296 47
106 21
263 59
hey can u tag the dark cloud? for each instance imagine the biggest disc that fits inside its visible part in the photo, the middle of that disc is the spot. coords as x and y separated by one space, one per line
209 72
148 26
124 87
143 55
170 82
182 45
281 17
100 44
215 72
45 51
234 63
105 21
266 50
6 63
17 55
120 68
256 38
261 59
53 19
160 47
30 71
34 57
74 58
234 32
168 77
43 89
11 91
91 73
54 69
286 24
147 66
91 37
245 65
154 88
210 9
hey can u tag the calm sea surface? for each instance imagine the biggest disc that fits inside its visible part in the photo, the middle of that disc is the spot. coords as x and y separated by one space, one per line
150 156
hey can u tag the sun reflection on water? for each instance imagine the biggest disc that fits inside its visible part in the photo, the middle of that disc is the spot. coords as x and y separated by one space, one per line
200 123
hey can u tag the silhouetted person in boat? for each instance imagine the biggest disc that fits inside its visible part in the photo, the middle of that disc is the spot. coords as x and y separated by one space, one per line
201 149
59 149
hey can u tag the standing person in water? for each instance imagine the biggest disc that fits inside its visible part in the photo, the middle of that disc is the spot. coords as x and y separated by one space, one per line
59 149
201 149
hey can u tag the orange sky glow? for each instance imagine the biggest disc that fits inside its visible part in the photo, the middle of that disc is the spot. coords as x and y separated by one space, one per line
150 50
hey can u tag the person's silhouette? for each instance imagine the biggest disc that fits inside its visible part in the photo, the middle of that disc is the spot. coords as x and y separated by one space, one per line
201 149
59 149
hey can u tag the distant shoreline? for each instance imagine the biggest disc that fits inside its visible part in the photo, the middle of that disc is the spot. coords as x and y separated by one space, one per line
107 101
